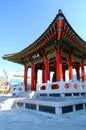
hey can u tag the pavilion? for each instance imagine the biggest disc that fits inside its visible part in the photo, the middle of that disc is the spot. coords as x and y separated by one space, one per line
58 49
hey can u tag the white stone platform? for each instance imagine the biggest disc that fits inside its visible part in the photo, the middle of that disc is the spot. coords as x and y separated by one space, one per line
56 97
55 105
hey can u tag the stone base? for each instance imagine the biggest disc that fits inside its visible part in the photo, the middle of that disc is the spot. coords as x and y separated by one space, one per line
55 105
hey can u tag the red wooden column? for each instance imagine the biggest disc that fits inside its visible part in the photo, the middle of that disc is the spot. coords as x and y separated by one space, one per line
43 73
25 76
59 74
82 70
70 67
46 68
77 71
32 75
35 78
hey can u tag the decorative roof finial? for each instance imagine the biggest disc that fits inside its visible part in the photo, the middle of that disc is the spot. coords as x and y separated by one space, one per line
59 12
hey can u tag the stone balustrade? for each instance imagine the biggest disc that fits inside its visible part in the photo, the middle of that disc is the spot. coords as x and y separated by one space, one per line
61 87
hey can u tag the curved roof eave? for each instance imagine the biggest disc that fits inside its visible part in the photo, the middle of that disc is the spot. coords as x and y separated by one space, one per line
28 50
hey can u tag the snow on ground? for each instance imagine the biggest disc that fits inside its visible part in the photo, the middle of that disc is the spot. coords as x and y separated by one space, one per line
20 119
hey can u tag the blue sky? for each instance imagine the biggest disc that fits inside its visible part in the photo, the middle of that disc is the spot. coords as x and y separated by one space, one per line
23 21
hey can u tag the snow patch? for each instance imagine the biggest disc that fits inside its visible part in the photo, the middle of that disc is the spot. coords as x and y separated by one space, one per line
7 105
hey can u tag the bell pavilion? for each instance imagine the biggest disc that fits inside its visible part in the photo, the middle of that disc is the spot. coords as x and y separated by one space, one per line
57 50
